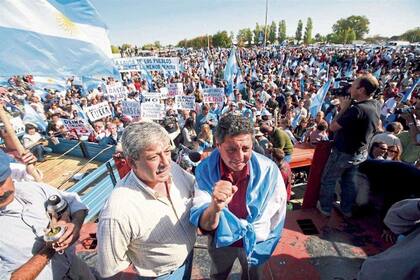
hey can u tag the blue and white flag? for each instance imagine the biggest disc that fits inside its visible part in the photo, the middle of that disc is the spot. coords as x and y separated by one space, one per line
254 76
82 114
49 83
338 77
90 83
311 61
318 99
302 86
231 69
377 73
34 117
53 38
296 120
409 92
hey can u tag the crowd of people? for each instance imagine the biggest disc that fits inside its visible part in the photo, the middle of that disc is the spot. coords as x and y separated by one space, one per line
370 113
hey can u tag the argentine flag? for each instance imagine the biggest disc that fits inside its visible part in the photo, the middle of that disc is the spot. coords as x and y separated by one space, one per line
49 83
53 38
318 99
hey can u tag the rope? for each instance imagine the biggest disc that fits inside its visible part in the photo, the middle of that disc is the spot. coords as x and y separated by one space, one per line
89 161
68 151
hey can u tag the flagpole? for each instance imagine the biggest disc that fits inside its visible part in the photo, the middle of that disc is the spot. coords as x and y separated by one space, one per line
265 26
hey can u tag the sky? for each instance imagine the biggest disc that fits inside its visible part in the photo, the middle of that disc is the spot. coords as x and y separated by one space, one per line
139 22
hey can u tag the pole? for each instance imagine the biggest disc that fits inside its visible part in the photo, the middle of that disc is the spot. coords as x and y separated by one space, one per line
265 26
20 149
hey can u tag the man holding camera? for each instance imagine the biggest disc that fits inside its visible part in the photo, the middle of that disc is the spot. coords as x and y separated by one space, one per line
353 126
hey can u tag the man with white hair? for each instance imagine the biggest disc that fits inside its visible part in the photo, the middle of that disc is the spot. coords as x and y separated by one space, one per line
145 222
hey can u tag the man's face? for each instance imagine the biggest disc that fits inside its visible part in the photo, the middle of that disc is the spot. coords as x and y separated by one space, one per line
7 191
153 165
236 151
355 89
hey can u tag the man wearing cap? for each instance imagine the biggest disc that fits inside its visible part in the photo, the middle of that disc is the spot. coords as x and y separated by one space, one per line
240 201
23 251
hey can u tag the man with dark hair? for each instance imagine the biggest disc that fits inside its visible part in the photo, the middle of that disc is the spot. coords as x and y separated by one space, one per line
354 126
240 200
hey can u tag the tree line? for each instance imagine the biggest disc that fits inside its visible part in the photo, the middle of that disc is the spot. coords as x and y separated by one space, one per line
344 31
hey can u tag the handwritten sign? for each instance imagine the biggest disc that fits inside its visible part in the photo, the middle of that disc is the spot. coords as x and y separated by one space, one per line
151 97
214 95
185 102
175 89
18 126
98 111
81 127
131 108
147 63
151 111
115 93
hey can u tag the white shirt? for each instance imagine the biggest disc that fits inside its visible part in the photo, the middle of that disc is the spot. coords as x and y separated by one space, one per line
138 227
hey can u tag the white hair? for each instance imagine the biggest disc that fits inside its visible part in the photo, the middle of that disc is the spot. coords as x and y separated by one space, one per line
139 136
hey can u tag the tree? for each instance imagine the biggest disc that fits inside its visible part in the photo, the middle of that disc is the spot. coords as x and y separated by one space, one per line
282 31
412 35
360 25
307 38
298 34
248 36
256 32
244 37
272 33
222 39
319 38
351 36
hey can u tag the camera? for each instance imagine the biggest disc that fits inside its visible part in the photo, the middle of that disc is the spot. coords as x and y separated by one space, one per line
343 88
405 110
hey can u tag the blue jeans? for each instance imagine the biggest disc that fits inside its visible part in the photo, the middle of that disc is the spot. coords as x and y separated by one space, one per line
181 273
340 166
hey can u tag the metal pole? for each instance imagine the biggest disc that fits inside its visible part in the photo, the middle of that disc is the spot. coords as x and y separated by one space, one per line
265 26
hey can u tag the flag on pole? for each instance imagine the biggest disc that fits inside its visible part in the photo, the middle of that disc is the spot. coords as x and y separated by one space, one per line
34 117
296 120
231 69
318 99
53 38
409 92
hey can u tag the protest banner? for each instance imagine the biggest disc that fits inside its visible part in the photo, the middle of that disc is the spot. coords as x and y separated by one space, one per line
152 111
138 63
185 102
98 111
151 97
164 93
214 95
175 89
18 126
131 108
81 127
114 93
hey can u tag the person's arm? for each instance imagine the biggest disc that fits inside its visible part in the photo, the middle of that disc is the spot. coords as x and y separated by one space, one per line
113 242
222 195
345 103
33 267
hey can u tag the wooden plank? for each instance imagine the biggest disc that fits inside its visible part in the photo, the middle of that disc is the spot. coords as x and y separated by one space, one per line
302 155
58 171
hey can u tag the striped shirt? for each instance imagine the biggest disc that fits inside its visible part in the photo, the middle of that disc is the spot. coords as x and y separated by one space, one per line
140 228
